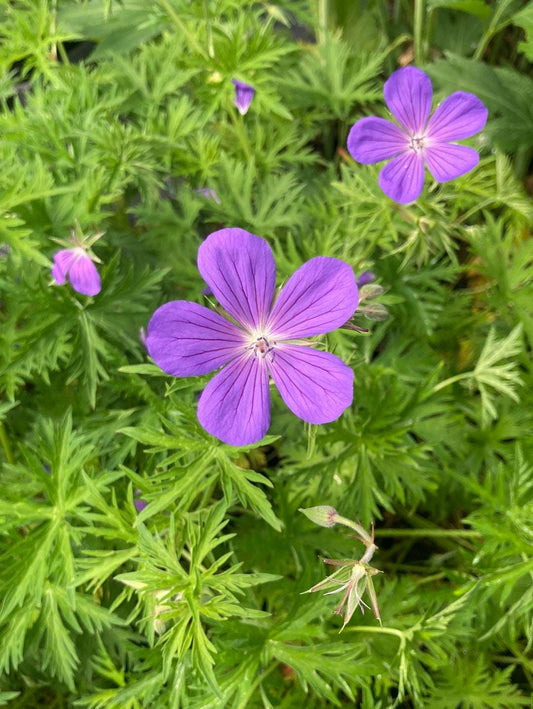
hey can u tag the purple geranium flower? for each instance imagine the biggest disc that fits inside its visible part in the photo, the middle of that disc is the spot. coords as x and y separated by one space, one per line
419 139
258 337
81 271
244 94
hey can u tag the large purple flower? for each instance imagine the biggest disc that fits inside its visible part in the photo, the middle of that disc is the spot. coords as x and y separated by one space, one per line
418 139
81 271
261 338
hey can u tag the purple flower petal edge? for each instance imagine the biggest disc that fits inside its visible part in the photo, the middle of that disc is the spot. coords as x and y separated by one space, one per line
239 268
235 405
319 297
316 386
186 339
408 94
373 140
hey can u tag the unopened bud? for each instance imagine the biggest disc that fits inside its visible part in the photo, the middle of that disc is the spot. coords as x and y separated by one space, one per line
376 311
373 290
324 515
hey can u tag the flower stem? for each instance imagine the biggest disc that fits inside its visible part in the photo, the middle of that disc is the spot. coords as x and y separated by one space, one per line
451 380
418 22
4 440
322 21
427 533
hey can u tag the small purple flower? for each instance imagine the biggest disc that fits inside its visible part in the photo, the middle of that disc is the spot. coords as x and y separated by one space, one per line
419 139
244 94
81 271
187 339
364 278
209 193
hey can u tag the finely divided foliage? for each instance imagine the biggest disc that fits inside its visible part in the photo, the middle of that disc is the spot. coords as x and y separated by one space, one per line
187 358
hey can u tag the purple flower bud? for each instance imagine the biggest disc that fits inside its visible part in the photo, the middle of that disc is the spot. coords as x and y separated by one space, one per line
140 504
324 515
209 193
364 278
81 271
244 94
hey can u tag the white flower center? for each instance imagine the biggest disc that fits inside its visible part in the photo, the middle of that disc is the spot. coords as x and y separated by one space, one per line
261 345
417 143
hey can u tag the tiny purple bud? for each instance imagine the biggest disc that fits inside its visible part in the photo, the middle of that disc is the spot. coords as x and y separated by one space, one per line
324 515
244 94
139 504
364 278
208 193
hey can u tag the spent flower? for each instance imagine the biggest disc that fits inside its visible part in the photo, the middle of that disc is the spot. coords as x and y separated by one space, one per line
256 337
418 140
354 577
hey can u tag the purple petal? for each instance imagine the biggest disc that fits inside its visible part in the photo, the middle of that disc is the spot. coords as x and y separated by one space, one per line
374 139
235 405
447 161
408 95
63 260
84 276
403 178
185 339
240 270
244 94
316 386
459 116
319 297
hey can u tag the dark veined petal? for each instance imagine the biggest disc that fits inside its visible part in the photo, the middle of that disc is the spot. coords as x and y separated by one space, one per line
446 161
235 405
408 95
374 139
319 297
63 260
316 386
403 178
239 268
84 276
185 339
459 116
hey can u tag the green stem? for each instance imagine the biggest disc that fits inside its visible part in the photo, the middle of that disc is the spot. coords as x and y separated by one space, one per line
492 29
451 380
322 21
259 680
427 533
418 22
339 519
376 629
4 440
238 125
